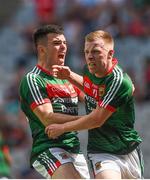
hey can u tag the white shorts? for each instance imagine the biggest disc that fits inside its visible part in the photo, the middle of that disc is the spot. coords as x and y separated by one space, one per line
47 162
130 166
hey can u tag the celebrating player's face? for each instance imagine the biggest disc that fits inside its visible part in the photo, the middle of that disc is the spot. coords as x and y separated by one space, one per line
96 55
56 49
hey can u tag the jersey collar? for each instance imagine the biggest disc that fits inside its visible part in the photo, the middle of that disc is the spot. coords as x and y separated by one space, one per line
114 63
44 70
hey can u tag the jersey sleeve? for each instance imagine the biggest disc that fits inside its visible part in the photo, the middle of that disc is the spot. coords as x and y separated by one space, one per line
118 91
78 91
33 91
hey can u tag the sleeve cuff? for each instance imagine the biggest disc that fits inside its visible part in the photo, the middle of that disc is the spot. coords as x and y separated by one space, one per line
34 104
108 107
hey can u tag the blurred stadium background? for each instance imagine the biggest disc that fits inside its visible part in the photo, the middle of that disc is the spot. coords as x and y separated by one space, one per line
127 20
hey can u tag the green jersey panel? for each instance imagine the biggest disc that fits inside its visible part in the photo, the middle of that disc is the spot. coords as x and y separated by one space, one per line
38 87
113 92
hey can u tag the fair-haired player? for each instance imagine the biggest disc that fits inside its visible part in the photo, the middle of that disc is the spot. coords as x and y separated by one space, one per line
113 143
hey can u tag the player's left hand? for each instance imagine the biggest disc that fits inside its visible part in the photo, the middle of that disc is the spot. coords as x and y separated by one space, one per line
54 130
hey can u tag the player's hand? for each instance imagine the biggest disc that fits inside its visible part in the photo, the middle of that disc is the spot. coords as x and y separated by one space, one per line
61 72
54 130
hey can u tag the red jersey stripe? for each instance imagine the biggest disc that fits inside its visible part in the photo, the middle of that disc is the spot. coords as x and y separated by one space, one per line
34 104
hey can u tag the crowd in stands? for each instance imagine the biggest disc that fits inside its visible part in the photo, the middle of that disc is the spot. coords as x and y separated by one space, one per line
122 18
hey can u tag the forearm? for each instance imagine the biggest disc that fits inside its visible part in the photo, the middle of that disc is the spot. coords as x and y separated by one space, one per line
85 122
82 123
8 159
47 116
76 79
93 120
7 154
59 118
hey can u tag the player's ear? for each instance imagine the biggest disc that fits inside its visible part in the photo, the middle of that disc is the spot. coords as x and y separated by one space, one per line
41 49
111 53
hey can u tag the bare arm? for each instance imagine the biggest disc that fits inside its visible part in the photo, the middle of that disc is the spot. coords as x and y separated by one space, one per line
7 155
46 115
93 120
64 72
76 79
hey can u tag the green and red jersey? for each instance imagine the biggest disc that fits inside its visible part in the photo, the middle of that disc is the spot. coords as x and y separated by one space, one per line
4 165
39 87
115 93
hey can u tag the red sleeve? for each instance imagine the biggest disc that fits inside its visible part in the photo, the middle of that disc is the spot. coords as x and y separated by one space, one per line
78 91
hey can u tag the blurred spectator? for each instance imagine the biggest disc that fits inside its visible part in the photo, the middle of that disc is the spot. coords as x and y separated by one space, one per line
114 26
5 159
147 78
11 96
45 10
137 91
136 26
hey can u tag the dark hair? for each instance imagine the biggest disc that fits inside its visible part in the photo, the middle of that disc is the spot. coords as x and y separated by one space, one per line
42 32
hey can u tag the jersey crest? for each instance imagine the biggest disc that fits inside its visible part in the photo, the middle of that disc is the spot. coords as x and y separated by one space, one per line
98 165
101 90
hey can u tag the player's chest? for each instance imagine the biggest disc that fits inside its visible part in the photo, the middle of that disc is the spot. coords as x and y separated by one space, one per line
94 90
60 90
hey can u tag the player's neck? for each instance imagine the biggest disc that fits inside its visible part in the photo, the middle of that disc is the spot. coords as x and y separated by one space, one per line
104 70
44 65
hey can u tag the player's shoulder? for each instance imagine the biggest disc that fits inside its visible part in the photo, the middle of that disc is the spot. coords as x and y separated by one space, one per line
31 75
119 78
115 77
123 78
117 72
127 82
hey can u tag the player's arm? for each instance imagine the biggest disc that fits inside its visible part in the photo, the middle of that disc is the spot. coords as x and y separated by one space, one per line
93 120
32 92
46 115
64 72
76 79
7 154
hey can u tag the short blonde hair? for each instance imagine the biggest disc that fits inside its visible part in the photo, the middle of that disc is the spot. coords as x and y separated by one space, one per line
95 35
